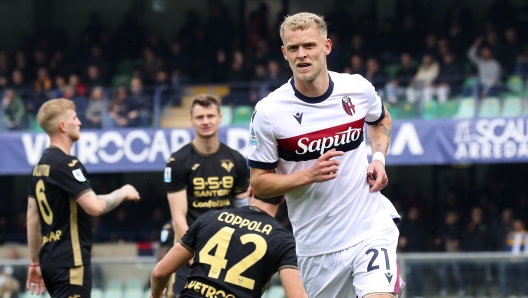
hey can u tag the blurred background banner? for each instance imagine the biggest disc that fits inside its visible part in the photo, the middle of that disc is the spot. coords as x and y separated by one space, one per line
415 142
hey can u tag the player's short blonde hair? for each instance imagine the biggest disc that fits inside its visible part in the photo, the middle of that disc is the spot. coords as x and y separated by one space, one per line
303 21
51 112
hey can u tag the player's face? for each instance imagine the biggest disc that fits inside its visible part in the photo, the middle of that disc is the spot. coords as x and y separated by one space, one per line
306 53
206 120
73 125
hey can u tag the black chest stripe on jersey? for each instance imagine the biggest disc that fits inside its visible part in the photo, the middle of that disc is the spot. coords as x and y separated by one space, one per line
309 146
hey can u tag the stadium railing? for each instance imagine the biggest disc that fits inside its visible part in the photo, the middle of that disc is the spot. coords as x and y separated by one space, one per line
491 274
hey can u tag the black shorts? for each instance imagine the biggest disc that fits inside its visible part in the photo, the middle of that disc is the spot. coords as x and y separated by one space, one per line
73 282
179 282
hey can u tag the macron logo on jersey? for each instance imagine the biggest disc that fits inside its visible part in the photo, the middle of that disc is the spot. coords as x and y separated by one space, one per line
298 117
344 137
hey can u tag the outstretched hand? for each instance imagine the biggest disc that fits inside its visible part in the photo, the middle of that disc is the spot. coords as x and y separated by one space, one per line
35 283
376 176
325 168
130 192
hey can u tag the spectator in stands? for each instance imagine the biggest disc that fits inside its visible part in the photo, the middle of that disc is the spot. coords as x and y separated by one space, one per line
412 239
509 51
14 111
94 111
43 83
489 69
238 72
450 78
421 86
117 109
430 47
502 229
356 65
376 75
448 238
4 64
476 238
58 65
9 286
395 88
93 78
151 65
513 273
139 105
58 87
22 64
18 83
221 68
18 272
275 73
78 86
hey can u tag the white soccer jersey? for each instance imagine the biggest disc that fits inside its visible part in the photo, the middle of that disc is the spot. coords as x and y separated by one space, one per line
289 131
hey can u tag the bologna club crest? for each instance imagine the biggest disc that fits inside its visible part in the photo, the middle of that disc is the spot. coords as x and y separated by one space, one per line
349 108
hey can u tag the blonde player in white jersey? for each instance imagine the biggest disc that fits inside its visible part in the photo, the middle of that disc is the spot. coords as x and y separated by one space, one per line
307 141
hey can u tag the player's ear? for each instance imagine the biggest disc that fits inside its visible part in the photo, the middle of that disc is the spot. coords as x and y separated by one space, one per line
250 192
328 46
62 125
283 49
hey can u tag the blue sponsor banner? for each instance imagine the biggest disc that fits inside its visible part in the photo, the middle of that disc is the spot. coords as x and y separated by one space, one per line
418 142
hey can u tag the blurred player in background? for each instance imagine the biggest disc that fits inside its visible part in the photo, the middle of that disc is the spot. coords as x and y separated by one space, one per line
60 203
307 141
203 175
236 252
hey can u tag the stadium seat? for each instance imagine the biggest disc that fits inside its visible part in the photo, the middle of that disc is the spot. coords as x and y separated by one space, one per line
221 90
393 110
489 107
227 115
430 110
449 109
512 107
466 109
274 292
114 284
516 85
407 111
133 284
113 293
133 293
97 293
242 114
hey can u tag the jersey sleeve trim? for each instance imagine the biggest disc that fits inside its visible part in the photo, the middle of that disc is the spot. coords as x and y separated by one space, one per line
263 165
186 246
288 267
177 190
81 193
380 118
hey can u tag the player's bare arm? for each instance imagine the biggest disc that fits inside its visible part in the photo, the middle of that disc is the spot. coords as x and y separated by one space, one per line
96 205
173 260
379 136
291 281
34 283
267 183
178 208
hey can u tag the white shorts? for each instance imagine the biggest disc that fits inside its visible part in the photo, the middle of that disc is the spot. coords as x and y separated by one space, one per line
367 267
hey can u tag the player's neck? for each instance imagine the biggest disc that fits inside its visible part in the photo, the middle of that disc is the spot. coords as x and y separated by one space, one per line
63 144
315 88
206 146
268 208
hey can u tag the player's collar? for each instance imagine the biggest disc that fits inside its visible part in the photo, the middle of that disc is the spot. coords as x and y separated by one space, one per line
317 99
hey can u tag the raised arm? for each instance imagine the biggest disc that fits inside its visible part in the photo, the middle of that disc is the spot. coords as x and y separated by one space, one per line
472 52
178 208
267 183
379 135
34 283
291 281
173 260
96 205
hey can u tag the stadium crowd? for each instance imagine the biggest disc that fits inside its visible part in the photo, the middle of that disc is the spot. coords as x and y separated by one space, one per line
119 71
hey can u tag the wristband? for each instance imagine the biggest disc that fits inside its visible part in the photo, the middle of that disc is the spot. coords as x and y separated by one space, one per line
241 202
34 265
379 156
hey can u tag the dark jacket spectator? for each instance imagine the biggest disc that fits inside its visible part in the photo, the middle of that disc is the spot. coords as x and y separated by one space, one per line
139 105
117 109
476 235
